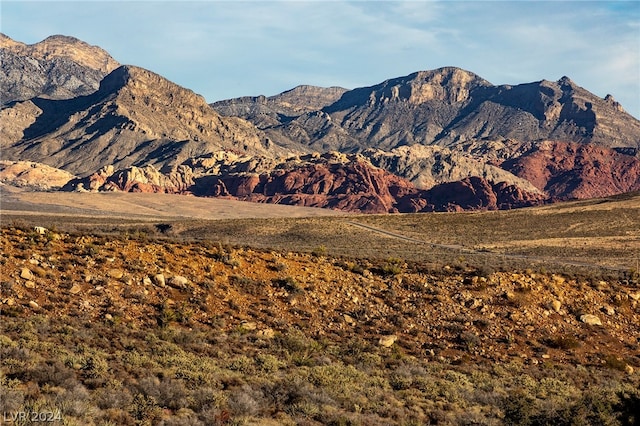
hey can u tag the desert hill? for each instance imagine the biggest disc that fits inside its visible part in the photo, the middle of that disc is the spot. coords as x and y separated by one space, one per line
135 118
59 67
571 170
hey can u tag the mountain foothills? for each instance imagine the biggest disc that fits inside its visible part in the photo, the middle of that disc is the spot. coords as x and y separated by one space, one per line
442 140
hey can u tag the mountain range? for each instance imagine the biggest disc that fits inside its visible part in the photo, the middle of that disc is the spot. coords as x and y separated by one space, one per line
444 139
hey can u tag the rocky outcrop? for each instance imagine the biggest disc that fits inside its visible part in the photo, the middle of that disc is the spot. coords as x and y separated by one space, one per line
475 193
58 67
570 170
28 174
353 186
136 118
428 166
336 181
135 179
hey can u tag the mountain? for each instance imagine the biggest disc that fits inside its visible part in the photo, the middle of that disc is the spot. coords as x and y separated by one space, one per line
135 118
267 113
58 67
452 107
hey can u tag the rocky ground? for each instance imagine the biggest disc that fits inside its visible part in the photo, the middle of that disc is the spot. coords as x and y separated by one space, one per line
443 313
304 313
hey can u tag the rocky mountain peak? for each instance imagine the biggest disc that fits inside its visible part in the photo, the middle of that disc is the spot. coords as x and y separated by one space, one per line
59 67
449 84
308 98
61 46
565 81
138 81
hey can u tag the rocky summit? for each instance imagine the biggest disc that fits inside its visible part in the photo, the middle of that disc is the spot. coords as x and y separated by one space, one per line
59 67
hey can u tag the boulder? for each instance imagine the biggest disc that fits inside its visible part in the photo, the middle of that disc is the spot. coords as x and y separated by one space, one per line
26 274
590 319
178 282
387 341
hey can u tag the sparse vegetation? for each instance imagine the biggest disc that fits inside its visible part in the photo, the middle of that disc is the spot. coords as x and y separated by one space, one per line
294 336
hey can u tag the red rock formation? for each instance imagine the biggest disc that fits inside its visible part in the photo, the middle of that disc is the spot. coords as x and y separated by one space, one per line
476 193
570 170
353 186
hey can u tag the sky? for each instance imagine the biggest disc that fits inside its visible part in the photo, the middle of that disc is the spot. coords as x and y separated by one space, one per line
227 49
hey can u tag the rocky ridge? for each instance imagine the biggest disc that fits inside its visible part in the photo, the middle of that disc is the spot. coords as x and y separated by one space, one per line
59 67
450 106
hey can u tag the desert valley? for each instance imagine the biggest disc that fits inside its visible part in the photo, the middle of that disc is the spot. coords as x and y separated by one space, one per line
432 249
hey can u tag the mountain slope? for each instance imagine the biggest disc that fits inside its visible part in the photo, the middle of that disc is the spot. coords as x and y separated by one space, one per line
58 67
135 118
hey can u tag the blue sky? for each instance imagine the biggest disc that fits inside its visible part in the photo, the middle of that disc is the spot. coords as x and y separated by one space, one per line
225 49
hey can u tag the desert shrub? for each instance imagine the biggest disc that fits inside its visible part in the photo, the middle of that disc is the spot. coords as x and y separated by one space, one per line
518 409
268 363
10 399
248 285
468 340
113 396
289 284
53 373
389 269
95 367
169 393
562 342
166 315
615 363
145 410
277 266
74 402
246 401
243 364
319 251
